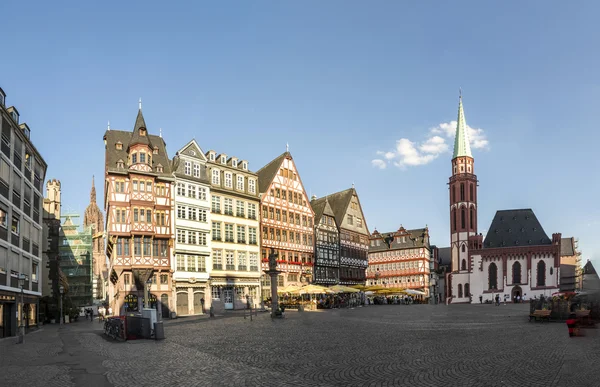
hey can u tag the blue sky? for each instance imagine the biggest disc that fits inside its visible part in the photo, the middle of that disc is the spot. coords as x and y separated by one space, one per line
339 81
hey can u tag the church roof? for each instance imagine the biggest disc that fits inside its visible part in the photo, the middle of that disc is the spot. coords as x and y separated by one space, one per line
462 146
515 228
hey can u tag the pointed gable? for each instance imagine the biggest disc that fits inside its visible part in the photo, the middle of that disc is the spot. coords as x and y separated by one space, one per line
140 132
340 204
321 207
193 150
267 173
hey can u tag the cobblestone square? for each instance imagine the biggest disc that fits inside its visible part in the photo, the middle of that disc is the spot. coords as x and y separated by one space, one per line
416 345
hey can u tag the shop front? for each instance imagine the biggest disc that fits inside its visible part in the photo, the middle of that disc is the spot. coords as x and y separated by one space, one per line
234 293
13 313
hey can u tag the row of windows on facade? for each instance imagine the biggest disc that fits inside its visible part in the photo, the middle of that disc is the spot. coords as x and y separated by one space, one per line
354 238
275 234
192 191
395 266
140 215
282 215
326 256
397 239
142 246
291 196
19 191
223 160
265 280
141 186
327 237
218 292
14 274
463 219
234 260
410 280
400 253
19 227
288 256
163 279
516 274
229 233
240 207
240 181
462 194
33 170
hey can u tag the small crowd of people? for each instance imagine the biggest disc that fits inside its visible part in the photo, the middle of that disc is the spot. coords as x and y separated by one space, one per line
392 300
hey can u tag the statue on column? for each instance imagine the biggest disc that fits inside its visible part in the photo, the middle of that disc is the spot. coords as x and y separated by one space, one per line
273 260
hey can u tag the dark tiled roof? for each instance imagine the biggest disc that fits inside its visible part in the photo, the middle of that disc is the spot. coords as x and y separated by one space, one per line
113 154
321 207
267 173
178 166
136 138
412 239
566 247
445 256
588 268
515 228
339 203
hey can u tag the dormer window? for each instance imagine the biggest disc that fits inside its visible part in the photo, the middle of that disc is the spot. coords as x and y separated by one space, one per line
155 150
223 160
119 145
2 97
120 164
234 163
159 168
211 157
245 166
142 132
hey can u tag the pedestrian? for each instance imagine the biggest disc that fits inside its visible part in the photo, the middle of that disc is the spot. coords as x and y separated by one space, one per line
518 299
481 299
497 300
573 325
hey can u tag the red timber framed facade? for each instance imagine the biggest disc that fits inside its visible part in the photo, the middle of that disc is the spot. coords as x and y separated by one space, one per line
400 259
286 222
138 205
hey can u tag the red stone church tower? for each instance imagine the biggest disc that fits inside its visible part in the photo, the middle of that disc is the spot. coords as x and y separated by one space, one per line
463 197
94 219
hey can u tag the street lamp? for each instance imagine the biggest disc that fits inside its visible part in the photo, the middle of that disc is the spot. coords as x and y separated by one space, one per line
61 290
21 326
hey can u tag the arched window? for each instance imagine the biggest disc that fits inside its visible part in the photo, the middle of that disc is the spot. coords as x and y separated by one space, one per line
471 222
460 293
471 192
453 194
463 248
463 265
462 218
467 290
516 269
462 192
454 219
492 276
541 273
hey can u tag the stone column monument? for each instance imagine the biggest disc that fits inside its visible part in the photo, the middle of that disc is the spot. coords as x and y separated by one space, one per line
273 273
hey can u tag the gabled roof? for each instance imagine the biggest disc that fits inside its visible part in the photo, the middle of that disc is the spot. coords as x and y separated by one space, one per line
339 203
413 238
193 146
462 147
113 155
267 173
321 207
567 248
135 136
515 228
588 268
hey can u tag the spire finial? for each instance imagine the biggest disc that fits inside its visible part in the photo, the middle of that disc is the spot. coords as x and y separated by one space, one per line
108 128
287 147
460 93
93 192
160 132
462 147
140 103
352 185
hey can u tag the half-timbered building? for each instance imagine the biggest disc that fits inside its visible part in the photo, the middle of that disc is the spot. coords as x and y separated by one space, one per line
286 222
192 229
235 275
354 236
400 259
138 205
327 243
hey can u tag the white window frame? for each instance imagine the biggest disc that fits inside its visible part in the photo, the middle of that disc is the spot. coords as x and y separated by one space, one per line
188 168
196 170
240 183
216 176
252 186
228 180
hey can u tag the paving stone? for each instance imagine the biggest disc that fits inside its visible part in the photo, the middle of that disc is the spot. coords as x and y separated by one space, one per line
387 345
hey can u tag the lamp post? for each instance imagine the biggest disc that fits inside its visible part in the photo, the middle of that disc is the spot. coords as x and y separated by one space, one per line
61 290
147 295
21 326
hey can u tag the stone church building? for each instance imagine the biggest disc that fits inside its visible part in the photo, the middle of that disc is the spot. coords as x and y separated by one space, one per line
516 257
94 218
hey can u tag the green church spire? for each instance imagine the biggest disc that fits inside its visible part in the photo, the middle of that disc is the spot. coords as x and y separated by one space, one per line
461 140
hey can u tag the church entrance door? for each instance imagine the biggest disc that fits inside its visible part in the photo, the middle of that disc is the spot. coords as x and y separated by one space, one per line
516 291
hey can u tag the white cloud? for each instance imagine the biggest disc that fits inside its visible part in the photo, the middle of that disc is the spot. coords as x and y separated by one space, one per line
378 163
440 140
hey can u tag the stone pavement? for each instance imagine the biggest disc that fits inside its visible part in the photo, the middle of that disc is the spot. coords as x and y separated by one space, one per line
416 345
